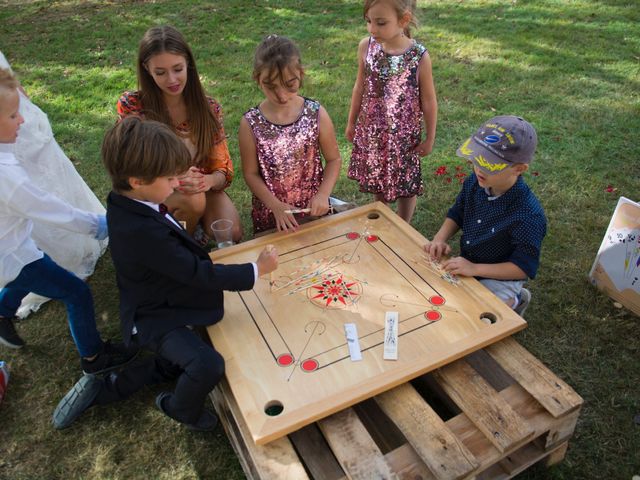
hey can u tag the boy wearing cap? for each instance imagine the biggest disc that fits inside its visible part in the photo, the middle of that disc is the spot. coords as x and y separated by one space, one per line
501 219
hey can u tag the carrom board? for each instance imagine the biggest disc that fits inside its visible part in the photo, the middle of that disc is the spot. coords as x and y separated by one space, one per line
286 353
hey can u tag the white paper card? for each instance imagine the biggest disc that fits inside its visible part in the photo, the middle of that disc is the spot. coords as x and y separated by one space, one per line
391 336
351 332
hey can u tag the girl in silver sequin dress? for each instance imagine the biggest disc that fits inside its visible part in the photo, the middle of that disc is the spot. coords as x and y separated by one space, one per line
283 140
392 96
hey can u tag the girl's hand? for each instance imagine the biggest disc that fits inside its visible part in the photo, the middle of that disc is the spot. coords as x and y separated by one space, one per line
350 132
423 149
285 222
437 248
460 266
319 205
215 181
192 182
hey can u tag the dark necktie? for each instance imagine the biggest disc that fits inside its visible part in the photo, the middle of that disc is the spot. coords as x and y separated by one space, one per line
162 208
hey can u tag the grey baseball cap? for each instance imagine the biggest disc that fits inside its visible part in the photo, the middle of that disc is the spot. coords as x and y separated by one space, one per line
499 143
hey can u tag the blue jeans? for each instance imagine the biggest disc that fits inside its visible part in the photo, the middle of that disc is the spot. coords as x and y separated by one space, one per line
45 277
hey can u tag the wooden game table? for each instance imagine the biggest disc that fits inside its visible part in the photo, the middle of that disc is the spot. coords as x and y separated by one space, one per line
287 353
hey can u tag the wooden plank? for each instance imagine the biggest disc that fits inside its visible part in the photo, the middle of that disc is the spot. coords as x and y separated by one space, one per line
278 459
407 465
553 393
316 454
494 417
491 371
383 431
441 451
435 396
286 344
557 455
354 448
562 429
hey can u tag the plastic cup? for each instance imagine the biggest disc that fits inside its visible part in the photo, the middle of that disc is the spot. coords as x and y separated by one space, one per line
223 232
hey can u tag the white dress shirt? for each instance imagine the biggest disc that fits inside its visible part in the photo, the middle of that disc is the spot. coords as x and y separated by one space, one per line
21 201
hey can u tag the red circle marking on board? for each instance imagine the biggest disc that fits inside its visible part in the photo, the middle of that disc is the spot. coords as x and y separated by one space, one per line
372 238
309 365
353 235
436 300
433 315
285 360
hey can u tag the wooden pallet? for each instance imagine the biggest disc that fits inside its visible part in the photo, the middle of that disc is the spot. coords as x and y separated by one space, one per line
489 415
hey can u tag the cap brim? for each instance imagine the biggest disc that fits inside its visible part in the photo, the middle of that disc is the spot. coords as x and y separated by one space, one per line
483 158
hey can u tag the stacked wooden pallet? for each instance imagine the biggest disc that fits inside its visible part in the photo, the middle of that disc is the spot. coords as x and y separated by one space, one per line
489 415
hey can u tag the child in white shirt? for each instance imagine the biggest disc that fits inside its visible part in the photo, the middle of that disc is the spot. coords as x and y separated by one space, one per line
23 267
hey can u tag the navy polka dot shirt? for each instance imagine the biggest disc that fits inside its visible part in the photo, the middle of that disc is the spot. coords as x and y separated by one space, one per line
507 228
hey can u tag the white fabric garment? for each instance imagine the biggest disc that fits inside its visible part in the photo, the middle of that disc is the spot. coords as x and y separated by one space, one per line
51 170
21 204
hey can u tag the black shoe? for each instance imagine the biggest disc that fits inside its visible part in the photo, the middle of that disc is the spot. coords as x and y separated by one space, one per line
8 336
76 401
206 423
113 355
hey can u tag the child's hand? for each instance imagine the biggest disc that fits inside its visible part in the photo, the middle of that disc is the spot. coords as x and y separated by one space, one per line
436 248
460 266
102 232
267 260
285 222
350 132
319 205
192 182
423 149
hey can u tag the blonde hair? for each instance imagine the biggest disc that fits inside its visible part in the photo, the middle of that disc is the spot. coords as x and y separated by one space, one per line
401 7
8 82
144 149
275 54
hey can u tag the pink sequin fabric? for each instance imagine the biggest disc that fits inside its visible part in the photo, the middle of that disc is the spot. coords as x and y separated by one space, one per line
389 125
289 160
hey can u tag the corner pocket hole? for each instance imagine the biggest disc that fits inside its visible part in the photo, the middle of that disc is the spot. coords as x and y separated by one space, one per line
488 318
273 408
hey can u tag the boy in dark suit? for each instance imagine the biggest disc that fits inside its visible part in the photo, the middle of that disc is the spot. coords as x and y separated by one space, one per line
167 281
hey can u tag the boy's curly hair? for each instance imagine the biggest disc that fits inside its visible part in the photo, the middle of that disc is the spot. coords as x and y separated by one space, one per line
144 149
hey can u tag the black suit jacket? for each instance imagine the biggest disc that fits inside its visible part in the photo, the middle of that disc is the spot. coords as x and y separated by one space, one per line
165 278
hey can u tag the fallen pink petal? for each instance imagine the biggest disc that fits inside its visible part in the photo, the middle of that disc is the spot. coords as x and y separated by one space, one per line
441 170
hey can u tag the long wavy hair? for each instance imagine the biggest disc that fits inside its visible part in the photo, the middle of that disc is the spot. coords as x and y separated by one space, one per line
205 128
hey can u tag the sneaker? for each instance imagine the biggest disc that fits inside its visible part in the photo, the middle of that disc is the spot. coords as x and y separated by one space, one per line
8 336
76 401
523 302
113 355
206 423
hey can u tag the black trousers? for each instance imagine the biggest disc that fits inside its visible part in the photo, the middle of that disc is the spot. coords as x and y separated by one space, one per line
179 354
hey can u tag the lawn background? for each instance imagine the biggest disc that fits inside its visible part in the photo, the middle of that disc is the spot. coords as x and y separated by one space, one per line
569 67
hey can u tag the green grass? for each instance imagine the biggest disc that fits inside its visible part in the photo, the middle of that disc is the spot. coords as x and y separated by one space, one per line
570 67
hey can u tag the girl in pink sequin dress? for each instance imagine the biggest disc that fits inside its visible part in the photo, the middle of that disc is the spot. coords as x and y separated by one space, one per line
282 142
392 96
